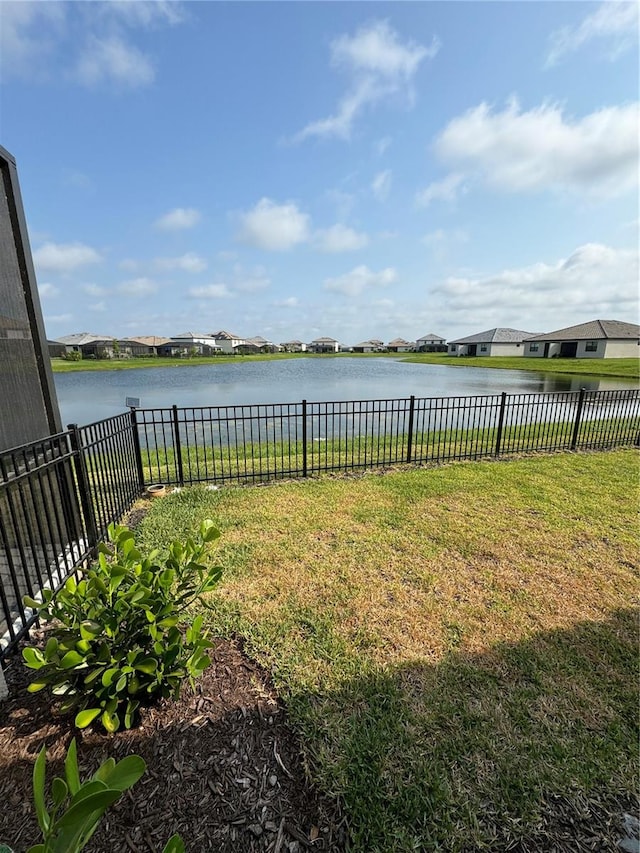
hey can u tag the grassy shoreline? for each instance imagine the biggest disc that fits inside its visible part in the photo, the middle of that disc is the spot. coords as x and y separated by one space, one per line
456 647
624 368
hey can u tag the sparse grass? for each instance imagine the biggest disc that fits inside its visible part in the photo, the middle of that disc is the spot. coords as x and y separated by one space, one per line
627 368
60 365
255 462
455 645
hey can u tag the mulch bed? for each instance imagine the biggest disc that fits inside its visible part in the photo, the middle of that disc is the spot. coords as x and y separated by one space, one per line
224 768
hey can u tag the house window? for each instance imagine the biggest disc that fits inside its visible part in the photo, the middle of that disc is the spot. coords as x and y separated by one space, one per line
591 346
452 349
534 347
483 347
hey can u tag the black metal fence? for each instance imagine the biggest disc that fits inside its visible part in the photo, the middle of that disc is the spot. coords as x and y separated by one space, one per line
58 495
57 498
248 444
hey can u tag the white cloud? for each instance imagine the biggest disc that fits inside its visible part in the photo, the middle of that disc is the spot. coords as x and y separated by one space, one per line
339 238
138 287
99 307
47 290
447 189
380 67
64 257
614 23
381 185
360 279
189 262
442 242
178 219
28 35
250 281
542 150
57 319
140 13
94 289
594 281
40 40
129 265
113 60
289 302
210 291
382 144
274 227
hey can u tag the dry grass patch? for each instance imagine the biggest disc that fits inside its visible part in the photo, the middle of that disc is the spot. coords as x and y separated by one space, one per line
457 645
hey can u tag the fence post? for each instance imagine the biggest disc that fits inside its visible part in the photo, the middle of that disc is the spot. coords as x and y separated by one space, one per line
84 490
136 447
412 403
576 427
304 438
176 445
503 403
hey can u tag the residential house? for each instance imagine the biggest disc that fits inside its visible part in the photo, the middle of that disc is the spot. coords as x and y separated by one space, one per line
431 343
497 341
146 345
55 348
228 342
366 346
324 345
293 346
400 345
595 339
259 344
89 345
189 342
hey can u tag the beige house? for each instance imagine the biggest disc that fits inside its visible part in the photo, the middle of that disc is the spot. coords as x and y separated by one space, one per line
323 345
595 339
400 345
498 341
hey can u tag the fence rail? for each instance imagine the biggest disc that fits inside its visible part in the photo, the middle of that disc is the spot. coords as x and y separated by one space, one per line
58 495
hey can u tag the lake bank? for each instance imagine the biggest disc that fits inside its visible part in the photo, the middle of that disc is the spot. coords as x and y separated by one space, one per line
88 396
624 368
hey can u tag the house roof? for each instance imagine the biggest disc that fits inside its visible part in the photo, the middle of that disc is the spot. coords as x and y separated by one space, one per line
227 336
149 340
431 337
324 341
496 336
593 330
286 343
80 338
259 340
399 342
191 335
372 344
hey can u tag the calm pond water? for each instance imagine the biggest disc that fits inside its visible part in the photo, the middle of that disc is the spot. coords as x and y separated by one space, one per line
86 396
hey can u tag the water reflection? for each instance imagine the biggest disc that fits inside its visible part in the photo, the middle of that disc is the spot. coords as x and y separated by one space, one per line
86 397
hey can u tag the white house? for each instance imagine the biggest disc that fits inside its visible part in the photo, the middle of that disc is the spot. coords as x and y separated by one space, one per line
188 341
431 343
595 339
496 341
293 346
323 345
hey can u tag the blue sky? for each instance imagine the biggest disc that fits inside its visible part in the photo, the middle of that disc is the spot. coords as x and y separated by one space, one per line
298 169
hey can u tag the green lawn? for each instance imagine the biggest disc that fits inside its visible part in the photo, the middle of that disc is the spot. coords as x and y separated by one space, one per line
60 365
456 646
628 368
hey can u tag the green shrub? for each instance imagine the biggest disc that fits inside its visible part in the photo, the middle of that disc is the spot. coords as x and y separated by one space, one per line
117 639
73 355
78 806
